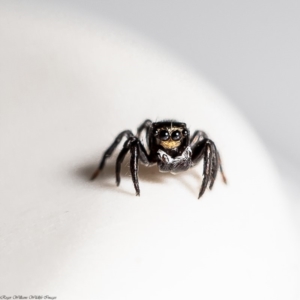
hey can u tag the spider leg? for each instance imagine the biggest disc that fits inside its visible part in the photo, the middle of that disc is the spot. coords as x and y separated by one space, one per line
143 155
137 151
134 166
215 165
198 136
120 159
146 125
110 150
207 168
221 169
207 150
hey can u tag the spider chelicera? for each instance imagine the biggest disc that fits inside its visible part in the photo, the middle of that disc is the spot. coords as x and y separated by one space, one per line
170 147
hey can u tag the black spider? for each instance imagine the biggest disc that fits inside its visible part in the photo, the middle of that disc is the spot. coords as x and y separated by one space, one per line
171 148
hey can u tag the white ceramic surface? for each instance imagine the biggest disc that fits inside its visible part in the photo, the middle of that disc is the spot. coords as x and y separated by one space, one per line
68 87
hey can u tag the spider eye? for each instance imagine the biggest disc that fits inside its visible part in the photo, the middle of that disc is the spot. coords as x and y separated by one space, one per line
155 132
184 132
176 135
164 135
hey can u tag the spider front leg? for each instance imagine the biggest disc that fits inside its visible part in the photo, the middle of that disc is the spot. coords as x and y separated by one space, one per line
145 126
110 151
137 151
207 150
198 136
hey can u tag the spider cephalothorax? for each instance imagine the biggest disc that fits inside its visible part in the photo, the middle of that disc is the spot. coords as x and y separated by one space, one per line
171 147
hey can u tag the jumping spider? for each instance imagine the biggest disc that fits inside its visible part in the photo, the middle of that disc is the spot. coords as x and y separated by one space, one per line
170 147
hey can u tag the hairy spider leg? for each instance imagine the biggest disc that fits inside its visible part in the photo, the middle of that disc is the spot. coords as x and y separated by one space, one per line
110 150
137 151
198 136
221 169
215 165
134 166
120 159
207 150
145 125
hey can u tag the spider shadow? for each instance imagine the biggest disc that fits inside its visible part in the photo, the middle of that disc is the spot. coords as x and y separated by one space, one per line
190 179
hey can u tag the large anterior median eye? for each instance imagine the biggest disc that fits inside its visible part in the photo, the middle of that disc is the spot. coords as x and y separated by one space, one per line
176 135
164 135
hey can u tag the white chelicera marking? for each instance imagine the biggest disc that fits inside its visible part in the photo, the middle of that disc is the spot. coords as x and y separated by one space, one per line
177 164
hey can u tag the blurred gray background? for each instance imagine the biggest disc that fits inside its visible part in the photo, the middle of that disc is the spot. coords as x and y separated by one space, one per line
248 49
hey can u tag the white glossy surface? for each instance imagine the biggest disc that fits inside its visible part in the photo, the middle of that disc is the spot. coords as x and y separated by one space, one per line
68 87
